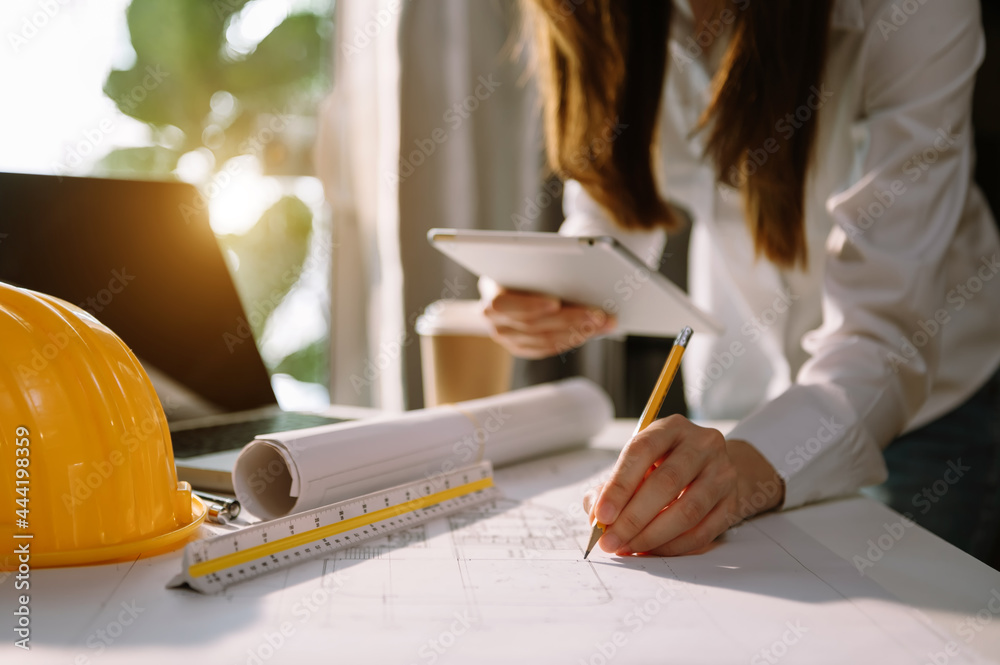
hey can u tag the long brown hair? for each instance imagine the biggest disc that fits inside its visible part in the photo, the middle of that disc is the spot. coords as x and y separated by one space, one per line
603 64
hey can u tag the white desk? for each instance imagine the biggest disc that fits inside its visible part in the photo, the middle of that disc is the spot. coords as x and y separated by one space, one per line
361 608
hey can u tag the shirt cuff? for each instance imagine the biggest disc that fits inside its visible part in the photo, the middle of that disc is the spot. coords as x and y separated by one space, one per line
817 445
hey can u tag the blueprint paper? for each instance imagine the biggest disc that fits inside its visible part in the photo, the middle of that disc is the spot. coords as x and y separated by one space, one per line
502 583
278 474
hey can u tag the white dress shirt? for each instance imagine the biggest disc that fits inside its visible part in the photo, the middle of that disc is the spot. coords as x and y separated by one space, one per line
895 321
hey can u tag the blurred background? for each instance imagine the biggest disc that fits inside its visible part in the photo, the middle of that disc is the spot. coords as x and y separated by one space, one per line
222 95
307 127
326 137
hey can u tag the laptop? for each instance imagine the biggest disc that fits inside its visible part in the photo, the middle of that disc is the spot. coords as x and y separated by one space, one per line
142 258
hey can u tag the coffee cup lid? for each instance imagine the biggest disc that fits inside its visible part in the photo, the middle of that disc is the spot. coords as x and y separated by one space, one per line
453 317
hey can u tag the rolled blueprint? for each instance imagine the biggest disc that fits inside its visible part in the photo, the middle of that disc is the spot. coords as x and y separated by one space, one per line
278 474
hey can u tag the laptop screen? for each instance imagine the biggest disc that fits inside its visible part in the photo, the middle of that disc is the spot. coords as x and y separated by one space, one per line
142 258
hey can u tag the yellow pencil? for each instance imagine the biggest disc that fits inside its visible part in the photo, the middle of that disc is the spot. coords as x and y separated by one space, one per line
652 409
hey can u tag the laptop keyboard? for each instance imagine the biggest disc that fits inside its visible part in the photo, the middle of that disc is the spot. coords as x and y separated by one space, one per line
233 436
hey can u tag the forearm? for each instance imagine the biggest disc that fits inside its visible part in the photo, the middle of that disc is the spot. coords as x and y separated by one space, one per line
759 486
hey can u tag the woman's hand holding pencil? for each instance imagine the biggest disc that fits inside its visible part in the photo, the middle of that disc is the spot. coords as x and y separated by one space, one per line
676 486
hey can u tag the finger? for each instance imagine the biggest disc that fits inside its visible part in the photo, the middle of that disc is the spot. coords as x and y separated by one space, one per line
660 488
714 525
580 321
524 303
551 339
539 345
638 455
697 501
528 351
588 500
583 322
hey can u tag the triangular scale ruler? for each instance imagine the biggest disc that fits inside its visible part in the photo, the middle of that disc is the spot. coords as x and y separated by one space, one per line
213 564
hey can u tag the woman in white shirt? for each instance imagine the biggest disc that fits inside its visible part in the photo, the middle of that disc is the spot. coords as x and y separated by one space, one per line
823 150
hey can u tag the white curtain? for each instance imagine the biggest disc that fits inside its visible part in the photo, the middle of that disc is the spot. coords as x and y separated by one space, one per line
432 122
358 141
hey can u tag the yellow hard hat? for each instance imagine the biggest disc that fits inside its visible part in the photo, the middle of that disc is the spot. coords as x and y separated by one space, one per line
86 468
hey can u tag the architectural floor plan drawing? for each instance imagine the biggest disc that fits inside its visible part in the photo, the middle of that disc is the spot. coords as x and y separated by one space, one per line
505 582
505 553
508 579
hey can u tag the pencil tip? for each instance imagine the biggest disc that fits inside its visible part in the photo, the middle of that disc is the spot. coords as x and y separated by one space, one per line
595 535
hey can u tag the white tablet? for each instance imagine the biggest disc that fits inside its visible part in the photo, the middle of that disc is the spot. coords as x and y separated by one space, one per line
594 271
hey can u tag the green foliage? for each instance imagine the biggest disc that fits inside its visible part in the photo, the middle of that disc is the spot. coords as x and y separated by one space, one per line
150 160
183 61
309 363
277 244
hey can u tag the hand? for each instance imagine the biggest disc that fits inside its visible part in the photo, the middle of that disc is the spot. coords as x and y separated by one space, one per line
677 486
532 325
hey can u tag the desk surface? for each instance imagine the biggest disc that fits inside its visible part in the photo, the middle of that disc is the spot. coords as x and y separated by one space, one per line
920 569
746 600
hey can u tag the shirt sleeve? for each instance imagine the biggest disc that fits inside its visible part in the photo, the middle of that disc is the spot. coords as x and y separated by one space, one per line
873 359
585 217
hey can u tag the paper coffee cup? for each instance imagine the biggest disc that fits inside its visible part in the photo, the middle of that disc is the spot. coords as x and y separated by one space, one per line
460 360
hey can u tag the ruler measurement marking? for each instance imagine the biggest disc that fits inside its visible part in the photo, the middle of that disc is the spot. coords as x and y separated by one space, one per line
277 545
